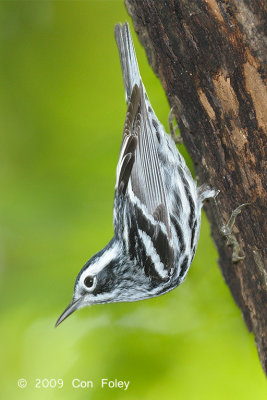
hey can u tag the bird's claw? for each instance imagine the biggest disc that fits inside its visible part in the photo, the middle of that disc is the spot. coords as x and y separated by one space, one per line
231 240
174 128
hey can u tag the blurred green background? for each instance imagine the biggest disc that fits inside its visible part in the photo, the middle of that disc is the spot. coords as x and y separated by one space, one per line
62 112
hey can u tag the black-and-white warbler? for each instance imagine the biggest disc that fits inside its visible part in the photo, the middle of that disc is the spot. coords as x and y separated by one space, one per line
157 207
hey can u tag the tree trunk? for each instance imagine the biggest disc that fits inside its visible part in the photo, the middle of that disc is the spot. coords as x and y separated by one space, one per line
210 56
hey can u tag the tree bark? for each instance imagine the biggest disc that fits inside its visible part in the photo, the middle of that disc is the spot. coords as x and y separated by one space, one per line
210 56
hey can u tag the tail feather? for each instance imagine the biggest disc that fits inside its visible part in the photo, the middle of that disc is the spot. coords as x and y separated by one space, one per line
129 65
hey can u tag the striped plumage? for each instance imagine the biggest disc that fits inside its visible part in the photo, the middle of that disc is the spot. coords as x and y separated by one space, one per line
157 207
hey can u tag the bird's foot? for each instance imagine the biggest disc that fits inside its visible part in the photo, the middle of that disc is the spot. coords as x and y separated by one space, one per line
231 240
174 128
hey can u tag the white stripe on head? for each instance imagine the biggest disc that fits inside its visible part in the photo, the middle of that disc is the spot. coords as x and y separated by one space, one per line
100 262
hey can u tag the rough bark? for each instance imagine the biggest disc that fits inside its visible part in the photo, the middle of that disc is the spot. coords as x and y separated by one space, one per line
210 56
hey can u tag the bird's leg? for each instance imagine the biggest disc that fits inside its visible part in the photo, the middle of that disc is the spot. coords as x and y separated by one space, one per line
173 129
231 240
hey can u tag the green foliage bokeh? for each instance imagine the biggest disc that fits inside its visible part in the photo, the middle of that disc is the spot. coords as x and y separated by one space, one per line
62 112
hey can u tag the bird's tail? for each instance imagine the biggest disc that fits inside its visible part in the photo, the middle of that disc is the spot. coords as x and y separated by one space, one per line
129 66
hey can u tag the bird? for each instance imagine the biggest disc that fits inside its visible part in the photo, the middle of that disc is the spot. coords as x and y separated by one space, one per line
157 207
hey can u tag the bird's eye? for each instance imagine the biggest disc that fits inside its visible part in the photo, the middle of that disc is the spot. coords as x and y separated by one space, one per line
89 281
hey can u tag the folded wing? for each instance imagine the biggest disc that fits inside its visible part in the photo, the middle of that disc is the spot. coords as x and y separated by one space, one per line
139 179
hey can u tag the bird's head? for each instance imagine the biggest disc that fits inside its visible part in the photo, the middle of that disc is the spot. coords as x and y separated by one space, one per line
105 278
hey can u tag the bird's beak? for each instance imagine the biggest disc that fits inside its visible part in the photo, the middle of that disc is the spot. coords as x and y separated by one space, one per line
73 306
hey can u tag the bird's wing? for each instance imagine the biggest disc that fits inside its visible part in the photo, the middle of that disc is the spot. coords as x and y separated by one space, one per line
139 181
